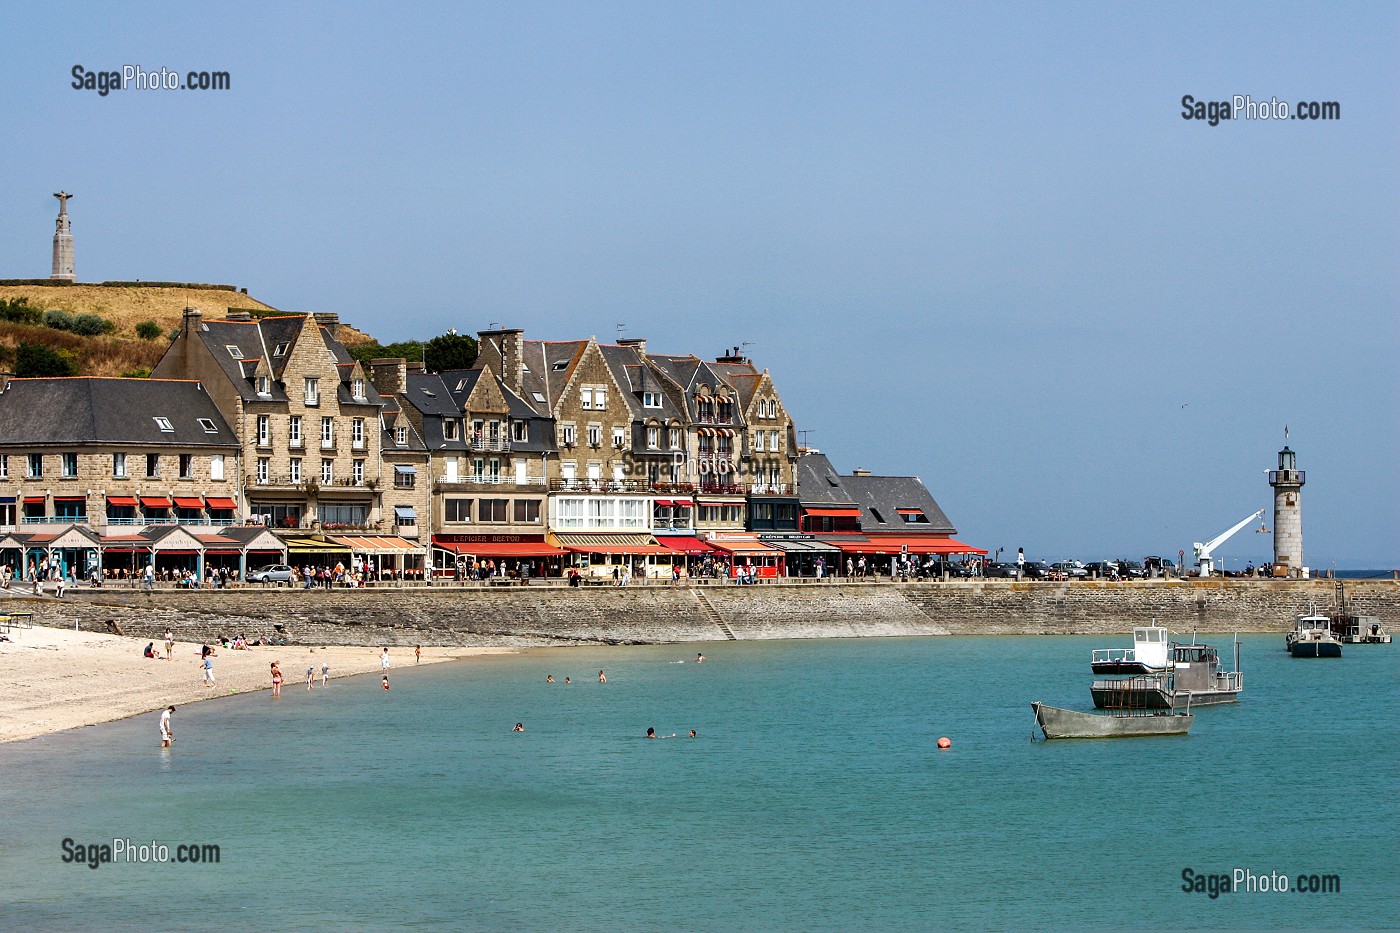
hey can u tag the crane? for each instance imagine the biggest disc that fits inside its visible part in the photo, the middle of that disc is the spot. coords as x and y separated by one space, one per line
1203 552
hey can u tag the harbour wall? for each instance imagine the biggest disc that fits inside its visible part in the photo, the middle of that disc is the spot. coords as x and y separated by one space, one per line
659 613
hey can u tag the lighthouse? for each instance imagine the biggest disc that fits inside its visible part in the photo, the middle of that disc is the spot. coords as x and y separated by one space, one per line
1288 481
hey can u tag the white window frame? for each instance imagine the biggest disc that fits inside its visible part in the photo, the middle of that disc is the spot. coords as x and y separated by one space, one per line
595 435
586 398
653 437
264 386
216 467
327 471
313 391
619 436
600 398
401 436
296 469
118 466
357 433
357 471
264 430
294 431
651 399
264 468
327 433
357 389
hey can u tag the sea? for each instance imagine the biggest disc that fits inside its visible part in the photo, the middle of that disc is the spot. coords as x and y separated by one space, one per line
813 797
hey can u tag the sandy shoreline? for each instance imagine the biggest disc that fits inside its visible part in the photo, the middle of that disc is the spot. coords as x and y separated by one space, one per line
55 679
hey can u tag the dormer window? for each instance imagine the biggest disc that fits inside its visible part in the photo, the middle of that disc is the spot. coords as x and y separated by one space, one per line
560 366
357 388
264 385
651 399
164 424
461 384
233 351
449 429
280 350
401 436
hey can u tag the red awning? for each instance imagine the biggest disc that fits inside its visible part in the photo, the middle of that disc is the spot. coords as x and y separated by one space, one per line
834 513
684 544
179 552
223 551
910 511
70 498
684 504
917 544
123 502
502 548
34 500
155 502
220 503
744 547
185 502
664 503
618 549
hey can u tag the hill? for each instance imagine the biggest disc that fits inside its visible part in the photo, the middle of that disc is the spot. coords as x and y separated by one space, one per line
125 305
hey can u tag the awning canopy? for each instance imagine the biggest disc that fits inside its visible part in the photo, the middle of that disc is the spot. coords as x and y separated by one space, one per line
910 511
501 548
186 502
916 544
155 502
34 500
122 502
683 504
664 503
376 544
804 547
70 498
405 511
620 543
685 544
742 546
219 503
313 546
833 513
402 470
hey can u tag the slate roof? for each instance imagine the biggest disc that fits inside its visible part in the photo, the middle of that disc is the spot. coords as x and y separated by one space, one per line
94 410
819 484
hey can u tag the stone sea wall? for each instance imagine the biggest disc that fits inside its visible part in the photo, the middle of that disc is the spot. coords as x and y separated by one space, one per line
557 615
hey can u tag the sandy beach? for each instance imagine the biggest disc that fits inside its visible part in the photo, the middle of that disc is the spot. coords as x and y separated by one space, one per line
54 679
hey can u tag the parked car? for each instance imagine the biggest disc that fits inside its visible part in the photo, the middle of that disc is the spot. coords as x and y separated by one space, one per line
994 569
1072 569
1131 570
272 573
1102 569
1040 570
936 568
1162 565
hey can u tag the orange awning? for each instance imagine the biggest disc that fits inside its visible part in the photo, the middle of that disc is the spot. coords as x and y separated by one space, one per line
155 502
501 548
186 502
833 513
220 502
124 502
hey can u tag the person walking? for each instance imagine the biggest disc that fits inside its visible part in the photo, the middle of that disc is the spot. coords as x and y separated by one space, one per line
167 733
209 670
384 660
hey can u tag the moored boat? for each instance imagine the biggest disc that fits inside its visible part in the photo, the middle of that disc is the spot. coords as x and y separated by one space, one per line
1163 675
1312 637
1056 723
1350 628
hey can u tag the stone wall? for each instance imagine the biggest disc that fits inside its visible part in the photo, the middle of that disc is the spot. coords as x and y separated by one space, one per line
545 615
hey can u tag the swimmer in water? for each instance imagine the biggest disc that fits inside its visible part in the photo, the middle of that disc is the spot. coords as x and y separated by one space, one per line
602 678
692 733
549 679
699 658
519 727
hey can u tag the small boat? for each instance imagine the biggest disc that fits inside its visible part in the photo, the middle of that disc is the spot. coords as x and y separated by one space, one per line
1158 674
1312 637
1349 628
1058 723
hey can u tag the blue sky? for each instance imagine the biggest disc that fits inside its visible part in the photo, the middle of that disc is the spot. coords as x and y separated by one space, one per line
976 244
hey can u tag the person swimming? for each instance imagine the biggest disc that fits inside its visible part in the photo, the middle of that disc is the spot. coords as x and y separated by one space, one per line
519 727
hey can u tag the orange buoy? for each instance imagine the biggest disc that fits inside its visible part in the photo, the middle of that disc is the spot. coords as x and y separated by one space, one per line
944 743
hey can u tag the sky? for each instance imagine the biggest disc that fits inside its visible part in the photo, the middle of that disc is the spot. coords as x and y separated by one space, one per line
975 243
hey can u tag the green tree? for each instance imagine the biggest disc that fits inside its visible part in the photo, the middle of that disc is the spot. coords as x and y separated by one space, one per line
374 350
18 311
148 330
450 351
35 359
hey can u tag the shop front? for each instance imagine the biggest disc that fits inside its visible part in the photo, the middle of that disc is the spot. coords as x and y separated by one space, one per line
465 556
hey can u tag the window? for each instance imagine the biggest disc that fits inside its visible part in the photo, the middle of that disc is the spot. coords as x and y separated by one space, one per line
264 430
313 392
449 429
357 432
68 464
357 472
36 466
186 466
595 435
280 350
276 514
208 426
233 351
343 513
404 516
587 398
568 513
491 510
264 385
773 441
164 424
758 439
600 399
560 366
527 510
675 438
913 516
296 469
405 477
294 431
878 517
5 466
619 438
263 465
152 466
357 388
327 432
651 399
567 431
216 467
401 436
519 431
653 437
457 510
327 472
537 396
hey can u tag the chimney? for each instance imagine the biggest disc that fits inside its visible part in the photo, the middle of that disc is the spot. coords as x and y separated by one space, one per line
329 320
389 375
860 472
415 366
237 315
637 343
504 351
731 355
191 321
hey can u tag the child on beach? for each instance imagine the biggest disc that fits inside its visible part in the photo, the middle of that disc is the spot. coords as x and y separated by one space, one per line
325 673
167 734
209 670
386 681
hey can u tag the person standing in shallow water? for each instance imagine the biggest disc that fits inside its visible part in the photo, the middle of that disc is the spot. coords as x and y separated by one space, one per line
602 678
167 734
276 680
417 653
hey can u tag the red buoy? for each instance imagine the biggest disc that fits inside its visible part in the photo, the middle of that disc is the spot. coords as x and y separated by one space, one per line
944 743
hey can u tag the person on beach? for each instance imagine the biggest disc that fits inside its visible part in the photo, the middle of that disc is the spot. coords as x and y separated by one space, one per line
167 734
209 670
417 653
169 644
310 677
276 680
385 681
325 673
150 651
384 660
519 727
602 678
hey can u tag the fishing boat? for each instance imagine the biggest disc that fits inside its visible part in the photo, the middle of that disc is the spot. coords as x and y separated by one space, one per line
1349 628
1160 674
1056 723
1312 636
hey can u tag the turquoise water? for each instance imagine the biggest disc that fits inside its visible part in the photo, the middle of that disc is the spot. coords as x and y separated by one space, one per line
814 797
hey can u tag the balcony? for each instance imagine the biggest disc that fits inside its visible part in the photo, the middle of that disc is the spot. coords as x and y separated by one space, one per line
722 489
142 522
619 485
53 519
487 479
771 489
284 481
498 445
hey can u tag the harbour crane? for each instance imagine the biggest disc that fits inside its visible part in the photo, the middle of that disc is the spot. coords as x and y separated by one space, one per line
1204 552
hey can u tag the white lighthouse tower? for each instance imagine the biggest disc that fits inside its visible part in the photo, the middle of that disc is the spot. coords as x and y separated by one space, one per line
1288 481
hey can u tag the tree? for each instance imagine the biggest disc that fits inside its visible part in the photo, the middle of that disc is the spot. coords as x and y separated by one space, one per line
450 351
35 359
148 330
374 350
18 311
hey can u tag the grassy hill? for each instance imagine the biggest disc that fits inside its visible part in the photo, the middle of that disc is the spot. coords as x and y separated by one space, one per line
125 305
